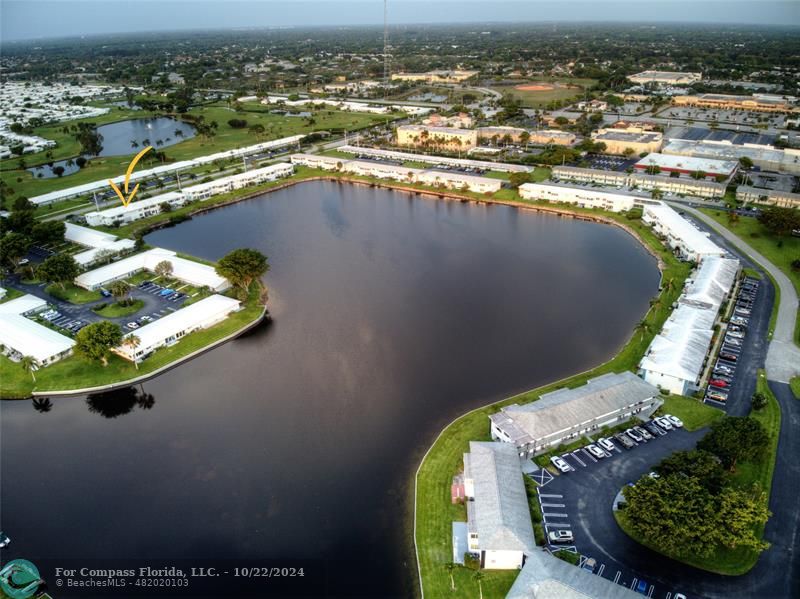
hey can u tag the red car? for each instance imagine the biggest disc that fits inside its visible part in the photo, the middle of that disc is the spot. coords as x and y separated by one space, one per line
718 383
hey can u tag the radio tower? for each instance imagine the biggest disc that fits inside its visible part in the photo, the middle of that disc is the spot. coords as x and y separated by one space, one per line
385 47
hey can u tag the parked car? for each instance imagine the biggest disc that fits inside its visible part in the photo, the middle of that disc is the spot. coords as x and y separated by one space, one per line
653 429
625 440
641 587
595 451
735 334
590 564
132 325
606 444
643 433
560 464
728 356
105 293
561 536
718 383
716 394
674 420
634 435
5 540
664 423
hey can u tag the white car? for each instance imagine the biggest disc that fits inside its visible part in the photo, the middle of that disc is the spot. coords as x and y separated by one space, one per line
606 444
634 435
132 325
595 451
561 536
676 422
664 423
560 464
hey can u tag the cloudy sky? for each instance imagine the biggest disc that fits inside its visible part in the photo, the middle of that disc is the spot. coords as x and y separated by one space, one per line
32 19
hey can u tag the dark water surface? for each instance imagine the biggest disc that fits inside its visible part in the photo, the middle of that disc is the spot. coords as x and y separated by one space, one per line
393 315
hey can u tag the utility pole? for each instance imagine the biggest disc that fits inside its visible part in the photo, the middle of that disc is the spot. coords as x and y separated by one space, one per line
385 48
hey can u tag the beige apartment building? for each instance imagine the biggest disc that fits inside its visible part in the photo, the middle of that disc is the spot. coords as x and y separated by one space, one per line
634 138
755 103
448 138
773 197
456 76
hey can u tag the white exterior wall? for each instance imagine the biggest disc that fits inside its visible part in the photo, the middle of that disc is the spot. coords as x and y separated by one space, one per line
585 198
503 560
670 383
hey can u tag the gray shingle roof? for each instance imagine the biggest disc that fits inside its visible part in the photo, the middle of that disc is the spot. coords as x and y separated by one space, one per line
565 408
500 512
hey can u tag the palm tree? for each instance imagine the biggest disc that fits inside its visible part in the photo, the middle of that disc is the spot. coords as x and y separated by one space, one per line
479 576
643 327
29 364
120 290
42 404
133 342
450 566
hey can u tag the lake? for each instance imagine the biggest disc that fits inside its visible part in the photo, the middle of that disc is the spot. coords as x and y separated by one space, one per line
119 139
393 315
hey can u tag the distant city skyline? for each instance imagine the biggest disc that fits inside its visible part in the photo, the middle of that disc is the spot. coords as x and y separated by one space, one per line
42 19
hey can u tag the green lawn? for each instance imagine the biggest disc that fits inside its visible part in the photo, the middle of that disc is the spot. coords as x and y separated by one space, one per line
693 413
11 294
77 372
433 509
539 99
735 562
72 293
116 309
794 383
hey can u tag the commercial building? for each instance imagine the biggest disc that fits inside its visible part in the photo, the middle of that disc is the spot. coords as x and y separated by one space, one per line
562 416
20 336
498 517
498 134
592 105
581 197
100 245
767 158
460 121
382 170
439 76
172 328
484 165
203 191
165 169
686 165
687 241
547 137
635 139
773 197
188 271
755 103
450 138
665 77
682 185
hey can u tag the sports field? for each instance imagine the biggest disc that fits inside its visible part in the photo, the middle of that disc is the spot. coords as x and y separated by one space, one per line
539 93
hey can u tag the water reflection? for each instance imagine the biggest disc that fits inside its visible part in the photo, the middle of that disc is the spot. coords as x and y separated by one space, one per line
123 401
42 404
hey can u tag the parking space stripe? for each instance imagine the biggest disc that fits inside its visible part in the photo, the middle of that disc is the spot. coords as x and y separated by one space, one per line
547 515
650 592
553 505
558 525
617 577
600 570
550 495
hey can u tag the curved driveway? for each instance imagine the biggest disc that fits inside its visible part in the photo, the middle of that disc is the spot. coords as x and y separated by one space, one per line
783 357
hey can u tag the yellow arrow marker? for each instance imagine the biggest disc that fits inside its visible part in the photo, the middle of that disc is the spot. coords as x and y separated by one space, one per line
126 201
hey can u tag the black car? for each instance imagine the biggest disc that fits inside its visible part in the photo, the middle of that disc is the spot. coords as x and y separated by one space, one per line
654 429
625 440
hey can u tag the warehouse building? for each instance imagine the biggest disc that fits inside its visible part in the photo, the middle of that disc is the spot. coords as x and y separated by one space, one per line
165 169
635 139
665 78
686 165
687 241
499 524
100 245
773 197
188 271
562 416
755 103
172 328
463 163
450 138
20 336
767 158
581 197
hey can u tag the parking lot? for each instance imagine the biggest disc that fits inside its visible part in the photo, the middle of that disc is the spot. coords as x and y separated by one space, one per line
609 163
580 501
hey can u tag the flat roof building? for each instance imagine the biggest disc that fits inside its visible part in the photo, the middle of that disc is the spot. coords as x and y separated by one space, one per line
134 211
580 196
711 283
99 244
767 158
755 103
665 77
485 165
188 271
545 137
499 524
772 197
563 415
439 137
440 76
620 141
689 243
514 133
685 165
173 327
22 337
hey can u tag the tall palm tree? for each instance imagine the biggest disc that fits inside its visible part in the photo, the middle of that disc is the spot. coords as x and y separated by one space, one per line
42 404
643 327
450 566
479 576
29 364
133 342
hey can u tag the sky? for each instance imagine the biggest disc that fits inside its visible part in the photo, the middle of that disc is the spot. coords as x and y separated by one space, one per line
39 19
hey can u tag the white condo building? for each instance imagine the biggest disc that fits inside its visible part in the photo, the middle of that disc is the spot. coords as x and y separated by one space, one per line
21 336
98 244
689 242
580 196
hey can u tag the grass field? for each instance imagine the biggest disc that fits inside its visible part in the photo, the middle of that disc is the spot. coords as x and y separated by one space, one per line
735 562
566 89
76 372
72 293
117 310
693 413
227 137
